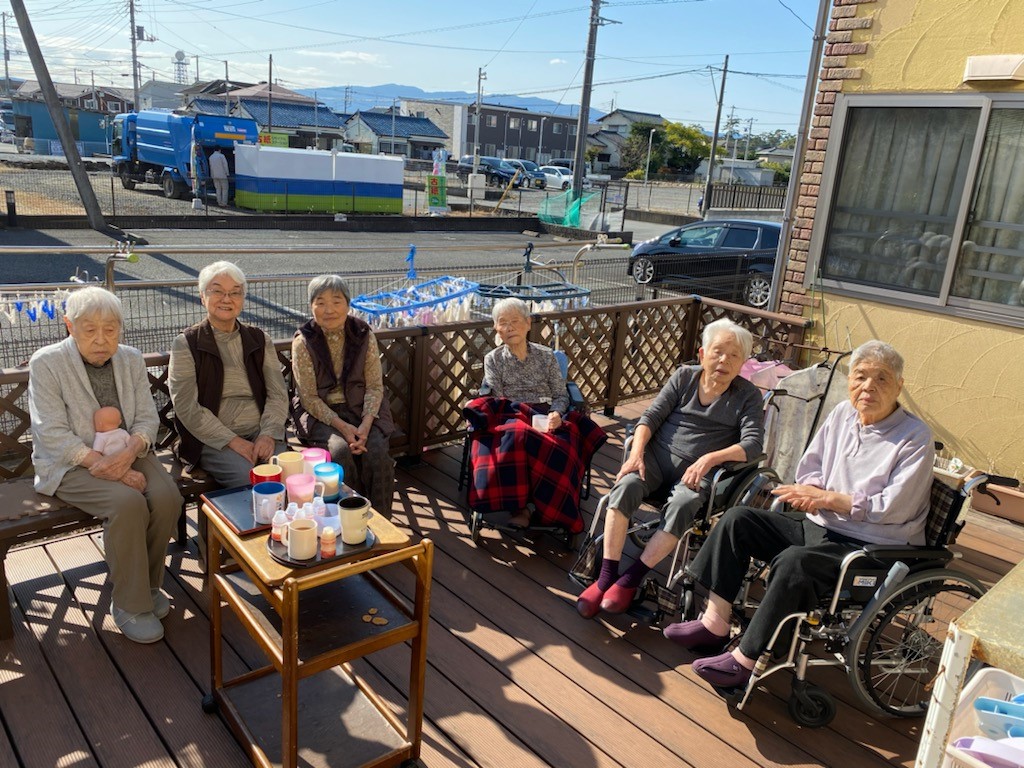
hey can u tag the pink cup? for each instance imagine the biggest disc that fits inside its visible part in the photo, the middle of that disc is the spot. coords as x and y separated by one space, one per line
313 456
302 488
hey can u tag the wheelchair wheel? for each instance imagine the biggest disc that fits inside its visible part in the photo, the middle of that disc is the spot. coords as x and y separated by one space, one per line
754 490
645 520
475 524
894 660
811 706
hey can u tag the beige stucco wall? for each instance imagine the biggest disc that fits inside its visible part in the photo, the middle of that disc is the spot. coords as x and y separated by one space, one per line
965 377
923 45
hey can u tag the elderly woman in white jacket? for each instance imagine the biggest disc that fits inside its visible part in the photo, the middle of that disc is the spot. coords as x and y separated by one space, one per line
129 491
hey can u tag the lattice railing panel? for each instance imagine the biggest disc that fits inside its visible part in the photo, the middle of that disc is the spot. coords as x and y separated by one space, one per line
775 336
397 361
652 348
588 341
15 437
455 371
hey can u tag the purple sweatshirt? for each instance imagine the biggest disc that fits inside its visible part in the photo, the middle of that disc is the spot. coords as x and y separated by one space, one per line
886 467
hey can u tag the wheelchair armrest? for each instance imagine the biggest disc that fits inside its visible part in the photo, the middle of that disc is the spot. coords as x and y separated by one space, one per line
576 401
906 552
723 471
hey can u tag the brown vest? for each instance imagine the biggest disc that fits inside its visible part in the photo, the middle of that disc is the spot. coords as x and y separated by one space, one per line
210 378
353 381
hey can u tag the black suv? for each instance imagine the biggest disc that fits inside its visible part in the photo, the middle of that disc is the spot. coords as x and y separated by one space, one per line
497 171
731 259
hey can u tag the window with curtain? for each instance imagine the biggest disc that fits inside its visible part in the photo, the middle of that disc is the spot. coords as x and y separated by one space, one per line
924 203
898 189
991 263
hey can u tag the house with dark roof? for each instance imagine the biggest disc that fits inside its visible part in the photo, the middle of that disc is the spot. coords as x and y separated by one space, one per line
613 131
395 134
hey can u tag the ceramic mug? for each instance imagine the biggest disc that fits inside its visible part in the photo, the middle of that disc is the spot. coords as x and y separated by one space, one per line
267 498
290 462
354 512
302 488
263 473
331 475
300 538
311 457
540 422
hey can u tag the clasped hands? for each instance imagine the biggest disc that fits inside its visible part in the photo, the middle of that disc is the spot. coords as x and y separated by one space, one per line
355 436
118 468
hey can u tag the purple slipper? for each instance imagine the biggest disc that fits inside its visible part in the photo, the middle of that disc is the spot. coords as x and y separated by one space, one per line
722 671
694 636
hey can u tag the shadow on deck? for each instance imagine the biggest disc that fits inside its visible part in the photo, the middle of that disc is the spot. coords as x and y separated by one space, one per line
515 677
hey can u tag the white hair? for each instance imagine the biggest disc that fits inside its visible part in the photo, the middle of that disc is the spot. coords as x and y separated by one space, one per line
93 302
878 352
725 326
218 268
510 304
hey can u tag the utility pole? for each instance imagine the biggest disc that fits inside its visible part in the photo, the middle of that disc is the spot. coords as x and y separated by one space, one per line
7 57
588 84
730 129
197 68
394 106
750 128
348 97
480 77
714 141
60 120
316 122
270 94
135 55
227 83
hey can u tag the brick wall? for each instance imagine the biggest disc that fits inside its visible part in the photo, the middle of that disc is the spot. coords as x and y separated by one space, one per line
847 15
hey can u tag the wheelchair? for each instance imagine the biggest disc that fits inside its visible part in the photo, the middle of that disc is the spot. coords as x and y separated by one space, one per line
732 484
477 520
884 624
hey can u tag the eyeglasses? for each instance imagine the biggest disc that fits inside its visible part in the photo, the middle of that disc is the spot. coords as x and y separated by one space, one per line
216 293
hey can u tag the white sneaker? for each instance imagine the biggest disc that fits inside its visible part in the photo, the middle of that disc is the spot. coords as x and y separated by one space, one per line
138 627
161 605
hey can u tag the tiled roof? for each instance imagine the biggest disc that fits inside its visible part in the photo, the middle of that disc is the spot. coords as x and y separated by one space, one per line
404 127
636 117
288 114
208 106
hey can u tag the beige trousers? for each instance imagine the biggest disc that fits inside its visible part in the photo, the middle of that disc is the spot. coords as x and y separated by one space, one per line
136 527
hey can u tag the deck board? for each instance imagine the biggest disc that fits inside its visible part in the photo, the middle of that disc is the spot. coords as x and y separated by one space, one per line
514 676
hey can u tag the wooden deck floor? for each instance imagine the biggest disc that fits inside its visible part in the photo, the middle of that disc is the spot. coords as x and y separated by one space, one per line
515 677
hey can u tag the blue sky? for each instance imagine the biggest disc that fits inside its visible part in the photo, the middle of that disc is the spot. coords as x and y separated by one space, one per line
655 59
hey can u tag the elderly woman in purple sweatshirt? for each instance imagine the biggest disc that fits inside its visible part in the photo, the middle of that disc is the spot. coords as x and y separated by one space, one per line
865 477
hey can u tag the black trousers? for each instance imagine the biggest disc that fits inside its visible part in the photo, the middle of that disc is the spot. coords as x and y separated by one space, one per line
805 559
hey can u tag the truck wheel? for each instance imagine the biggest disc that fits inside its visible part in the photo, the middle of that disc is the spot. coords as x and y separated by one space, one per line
126 178
172 189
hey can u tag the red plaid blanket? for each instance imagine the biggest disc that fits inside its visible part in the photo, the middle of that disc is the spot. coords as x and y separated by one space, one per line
513 464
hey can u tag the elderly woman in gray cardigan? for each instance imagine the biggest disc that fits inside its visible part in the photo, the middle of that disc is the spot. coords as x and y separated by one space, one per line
129 491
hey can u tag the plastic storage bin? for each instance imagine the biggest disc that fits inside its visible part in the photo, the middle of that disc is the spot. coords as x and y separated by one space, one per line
991 682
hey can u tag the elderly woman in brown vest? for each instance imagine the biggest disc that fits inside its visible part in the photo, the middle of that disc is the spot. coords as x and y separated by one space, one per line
340 402
230 399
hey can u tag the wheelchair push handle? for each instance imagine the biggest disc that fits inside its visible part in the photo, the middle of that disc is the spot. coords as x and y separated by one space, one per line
980 483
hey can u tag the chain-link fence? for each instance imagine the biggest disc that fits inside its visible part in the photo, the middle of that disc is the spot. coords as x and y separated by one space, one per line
156 312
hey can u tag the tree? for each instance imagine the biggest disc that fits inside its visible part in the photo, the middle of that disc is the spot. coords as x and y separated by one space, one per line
634 151
689 145
675 146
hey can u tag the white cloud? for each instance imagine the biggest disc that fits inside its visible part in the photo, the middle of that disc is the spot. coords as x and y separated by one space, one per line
357 57
557 61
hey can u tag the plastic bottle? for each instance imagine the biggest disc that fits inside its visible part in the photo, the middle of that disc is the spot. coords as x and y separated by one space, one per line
305 512
278 525
319 506
292 512
328 542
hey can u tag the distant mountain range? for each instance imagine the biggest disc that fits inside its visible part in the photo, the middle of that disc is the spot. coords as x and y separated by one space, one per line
367 97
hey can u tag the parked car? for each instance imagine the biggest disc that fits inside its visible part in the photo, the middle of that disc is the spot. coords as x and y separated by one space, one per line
530 171
731 259
497 171
557 176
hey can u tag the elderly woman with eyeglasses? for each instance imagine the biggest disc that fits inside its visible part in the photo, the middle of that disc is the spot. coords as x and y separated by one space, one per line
128 489
533 474
230 399
340 402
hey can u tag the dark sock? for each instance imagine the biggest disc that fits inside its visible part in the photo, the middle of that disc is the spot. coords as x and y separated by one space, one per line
634 575
609 573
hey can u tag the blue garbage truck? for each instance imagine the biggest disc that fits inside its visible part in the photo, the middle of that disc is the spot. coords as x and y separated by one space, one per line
159 146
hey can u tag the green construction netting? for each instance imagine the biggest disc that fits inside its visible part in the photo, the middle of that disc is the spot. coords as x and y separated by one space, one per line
566 212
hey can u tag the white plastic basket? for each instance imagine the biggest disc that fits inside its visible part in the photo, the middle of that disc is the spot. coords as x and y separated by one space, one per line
990 682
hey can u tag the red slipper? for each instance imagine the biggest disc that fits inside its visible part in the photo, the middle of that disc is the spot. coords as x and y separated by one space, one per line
588 604
617 599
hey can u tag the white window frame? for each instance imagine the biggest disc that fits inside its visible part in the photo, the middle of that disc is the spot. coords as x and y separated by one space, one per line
515 123
557 127
531 126
491 121
943 303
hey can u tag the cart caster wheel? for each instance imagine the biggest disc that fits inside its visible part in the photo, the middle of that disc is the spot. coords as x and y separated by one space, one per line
475 523
689 610
811 707
209 704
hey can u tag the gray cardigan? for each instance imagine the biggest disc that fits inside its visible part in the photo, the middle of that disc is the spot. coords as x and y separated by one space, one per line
61 405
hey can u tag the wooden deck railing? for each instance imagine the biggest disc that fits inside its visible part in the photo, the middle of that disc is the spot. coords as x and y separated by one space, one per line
616 354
